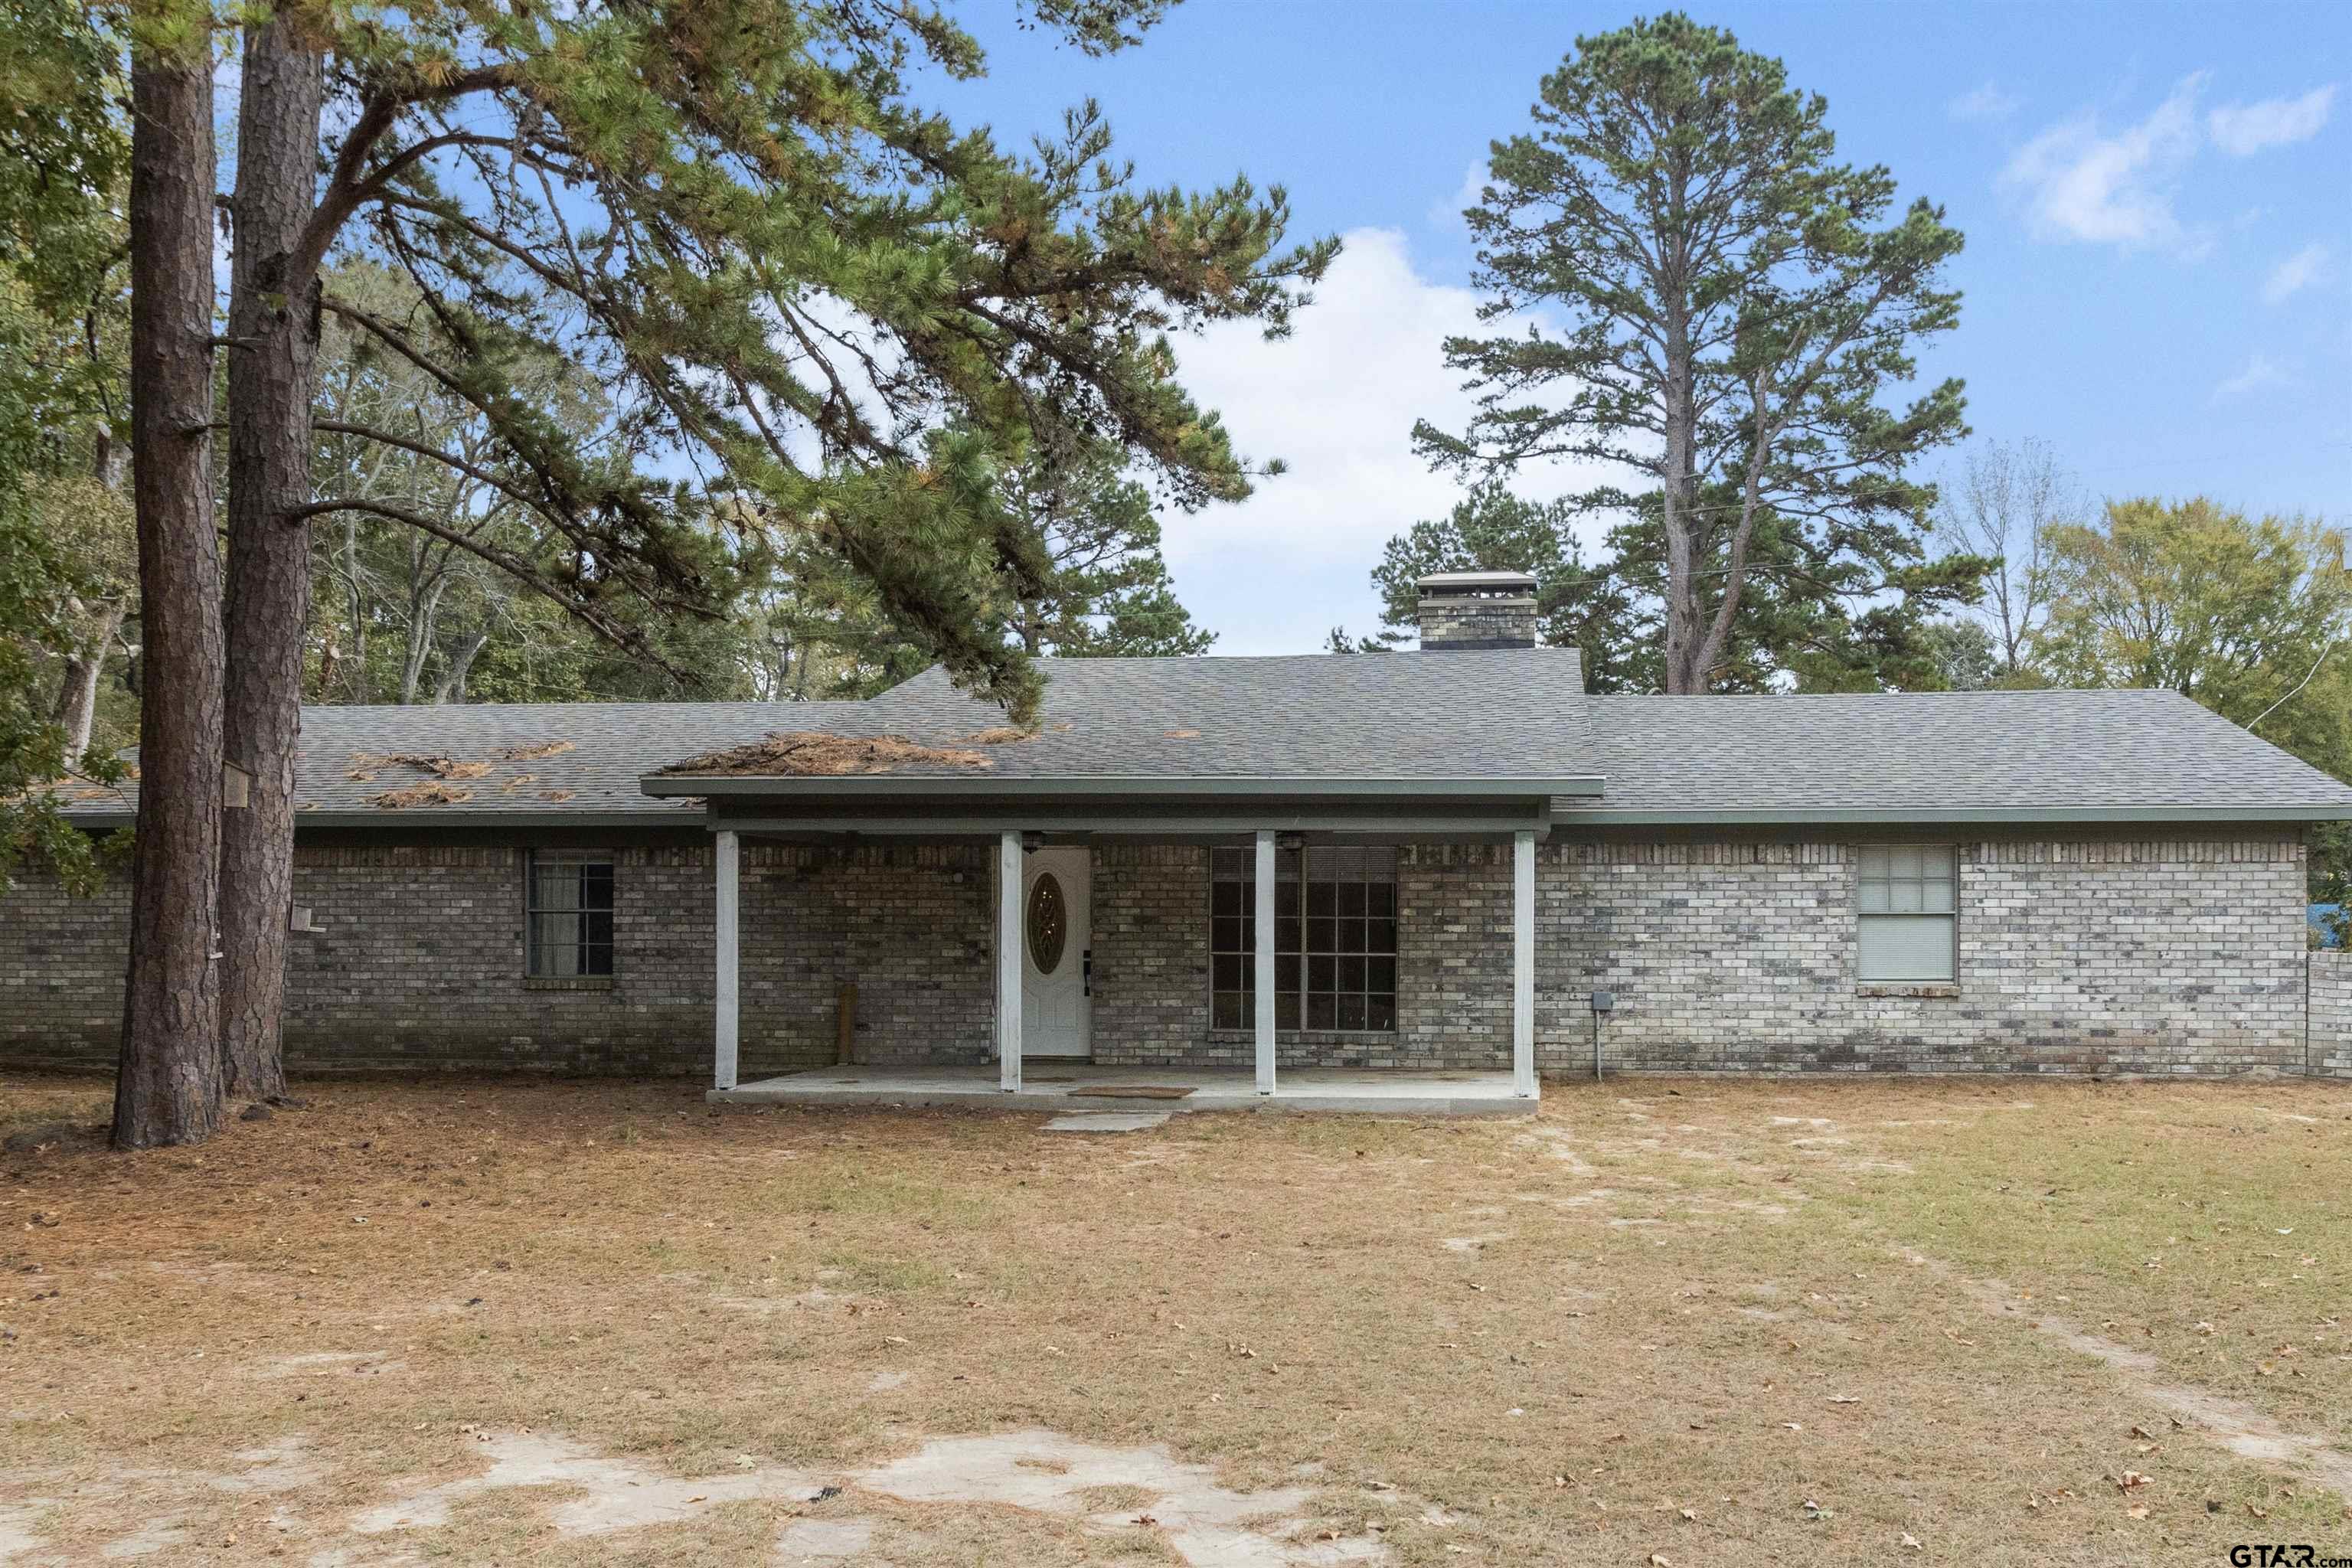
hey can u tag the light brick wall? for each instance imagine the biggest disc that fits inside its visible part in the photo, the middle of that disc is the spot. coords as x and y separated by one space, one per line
2124 955
1453 958
2331 1012
420 963
2116 955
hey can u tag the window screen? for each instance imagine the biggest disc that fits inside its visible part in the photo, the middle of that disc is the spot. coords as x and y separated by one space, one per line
1335 940
1907 914
570 917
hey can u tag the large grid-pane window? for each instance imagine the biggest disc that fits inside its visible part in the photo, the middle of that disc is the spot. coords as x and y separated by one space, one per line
1907 914
1335 940
570 914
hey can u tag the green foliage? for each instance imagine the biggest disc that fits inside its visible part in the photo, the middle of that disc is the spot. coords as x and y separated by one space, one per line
1735 306
847 320
1107 592
62 162
2248 616
1807 620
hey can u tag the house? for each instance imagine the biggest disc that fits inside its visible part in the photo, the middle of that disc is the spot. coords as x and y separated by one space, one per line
1427 862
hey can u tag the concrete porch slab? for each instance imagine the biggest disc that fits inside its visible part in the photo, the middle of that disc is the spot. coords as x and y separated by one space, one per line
1062 1085
1107 1122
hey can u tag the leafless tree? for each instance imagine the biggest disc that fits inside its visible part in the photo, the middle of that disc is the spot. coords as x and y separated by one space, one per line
2005 503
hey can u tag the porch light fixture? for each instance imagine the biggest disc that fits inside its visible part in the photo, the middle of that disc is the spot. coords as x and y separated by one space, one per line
1290 841
1032 842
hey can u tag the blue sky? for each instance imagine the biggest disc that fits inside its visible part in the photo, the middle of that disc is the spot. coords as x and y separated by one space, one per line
2157 201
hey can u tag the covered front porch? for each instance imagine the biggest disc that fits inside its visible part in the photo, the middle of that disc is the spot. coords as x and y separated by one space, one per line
1059 1086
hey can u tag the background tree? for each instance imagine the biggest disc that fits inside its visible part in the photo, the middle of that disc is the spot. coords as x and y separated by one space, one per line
1733 318
1107 592
2248 616
2007 501
1806 620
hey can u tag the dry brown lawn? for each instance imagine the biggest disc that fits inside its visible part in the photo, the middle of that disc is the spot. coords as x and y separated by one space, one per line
1682 1320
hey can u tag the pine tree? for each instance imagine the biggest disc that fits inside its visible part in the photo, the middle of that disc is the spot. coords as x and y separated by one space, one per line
843 317
1735 315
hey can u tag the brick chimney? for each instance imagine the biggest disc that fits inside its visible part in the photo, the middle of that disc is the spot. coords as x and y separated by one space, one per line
1477 609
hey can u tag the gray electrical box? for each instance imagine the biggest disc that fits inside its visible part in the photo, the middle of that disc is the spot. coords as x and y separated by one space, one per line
1603 1001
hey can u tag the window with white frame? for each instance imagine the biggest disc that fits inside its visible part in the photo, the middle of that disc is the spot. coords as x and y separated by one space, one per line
1335 940
569 913
1907 914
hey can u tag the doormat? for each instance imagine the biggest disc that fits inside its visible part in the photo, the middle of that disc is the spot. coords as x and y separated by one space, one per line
1138 1091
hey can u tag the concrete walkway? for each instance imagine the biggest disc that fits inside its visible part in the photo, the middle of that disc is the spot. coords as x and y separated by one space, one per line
1059 1086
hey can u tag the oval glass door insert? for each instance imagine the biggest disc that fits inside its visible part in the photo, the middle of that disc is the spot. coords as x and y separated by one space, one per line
1049 923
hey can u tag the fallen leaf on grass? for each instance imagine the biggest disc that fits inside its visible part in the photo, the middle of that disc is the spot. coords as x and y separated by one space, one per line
1910 1541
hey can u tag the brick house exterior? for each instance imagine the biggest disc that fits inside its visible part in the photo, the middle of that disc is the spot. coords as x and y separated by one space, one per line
2125 877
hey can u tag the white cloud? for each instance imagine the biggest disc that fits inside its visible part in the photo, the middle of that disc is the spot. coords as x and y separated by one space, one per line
2241 130
2080 183
2259 373
1987 103
1447 213
2297 273
1337 401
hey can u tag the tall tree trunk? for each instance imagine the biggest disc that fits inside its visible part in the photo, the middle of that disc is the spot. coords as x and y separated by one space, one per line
453 681
274 326
358 609
85 667
168 1088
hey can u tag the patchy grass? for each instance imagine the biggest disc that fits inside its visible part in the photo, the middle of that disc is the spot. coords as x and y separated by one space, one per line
1669 1316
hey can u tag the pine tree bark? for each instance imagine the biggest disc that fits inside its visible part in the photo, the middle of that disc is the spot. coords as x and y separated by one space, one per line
274 331
168 1088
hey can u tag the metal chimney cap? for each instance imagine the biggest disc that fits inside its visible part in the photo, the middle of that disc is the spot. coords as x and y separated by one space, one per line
1478 584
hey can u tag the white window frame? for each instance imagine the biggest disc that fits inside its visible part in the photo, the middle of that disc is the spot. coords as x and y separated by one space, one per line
1895 884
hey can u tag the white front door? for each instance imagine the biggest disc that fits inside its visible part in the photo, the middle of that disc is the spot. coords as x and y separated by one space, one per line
1055 936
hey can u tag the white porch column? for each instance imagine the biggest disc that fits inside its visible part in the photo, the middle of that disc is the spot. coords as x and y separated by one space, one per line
1523 964
723 1055
1265 962
1008 961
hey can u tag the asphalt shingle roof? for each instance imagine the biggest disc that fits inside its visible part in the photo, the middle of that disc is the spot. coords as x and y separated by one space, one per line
1451 715
1408 716
1945 752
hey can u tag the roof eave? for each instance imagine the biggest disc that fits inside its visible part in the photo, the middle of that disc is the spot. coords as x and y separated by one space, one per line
938 785
1605 816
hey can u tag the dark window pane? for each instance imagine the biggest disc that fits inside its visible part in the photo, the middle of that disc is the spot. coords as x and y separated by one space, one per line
1225 973
1351 936
1351 1012
1380 936
1320 1013
595 887
1379 1013
1351 898
1285 936
1286 899
1286 1010
1226 900
1286 972
1351 975
1228 1010
1379 976
1318 974
1321 936
1320 897
1380 898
